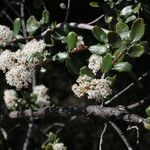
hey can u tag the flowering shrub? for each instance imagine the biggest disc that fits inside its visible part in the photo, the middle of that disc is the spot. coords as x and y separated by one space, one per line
98 56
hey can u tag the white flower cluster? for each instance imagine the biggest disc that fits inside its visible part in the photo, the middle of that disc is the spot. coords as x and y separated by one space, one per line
59 146
42 99
19 68
97 89
95 62
6 35
10 98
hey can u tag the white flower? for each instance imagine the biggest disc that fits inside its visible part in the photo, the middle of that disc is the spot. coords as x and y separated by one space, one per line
59 146
6 60
95 62
6 35
97 89
42 98
34 46
10 98
19 76
27 54
100 89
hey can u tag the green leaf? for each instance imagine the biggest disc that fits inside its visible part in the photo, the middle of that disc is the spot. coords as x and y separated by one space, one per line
126 11
137 8
107 63
61 56
87 71
136 51
71 40
99 34
111 79
148 110
71 66
32 24
123 67
114 39
16 26
123 30
94 4
45 17
116 54
98 49
137 30
131 18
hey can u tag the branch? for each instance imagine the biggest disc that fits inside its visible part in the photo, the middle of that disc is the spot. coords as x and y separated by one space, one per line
102 135
92 110
121 135
127 88
139 103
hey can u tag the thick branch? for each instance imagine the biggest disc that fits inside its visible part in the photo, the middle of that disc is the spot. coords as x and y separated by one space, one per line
92 110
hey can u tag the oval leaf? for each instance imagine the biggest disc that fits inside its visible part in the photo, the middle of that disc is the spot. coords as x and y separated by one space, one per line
137 30
71 40
107 63
87 71
136 51
114 39
94 4
98 49
99 34
123 30
45 17
16 26
32 24
123 67
126 11
148 111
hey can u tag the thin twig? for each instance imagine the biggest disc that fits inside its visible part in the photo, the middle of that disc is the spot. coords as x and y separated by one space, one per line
28 137
139 103
22 19
127 88
102 136
96 20
7 16
12 8
137 132
67 12
121 135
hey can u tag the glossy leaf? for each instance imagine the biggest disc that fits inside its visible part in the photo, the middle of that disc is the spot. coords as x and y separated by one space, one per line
71 40
137 30
114 39
148 111
137 8
123 67
123 30
98 49
32 24
94 4
116 54
111 79
126 11
61 56
87 71
136 51
45 17
16 26
107 63
99 34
